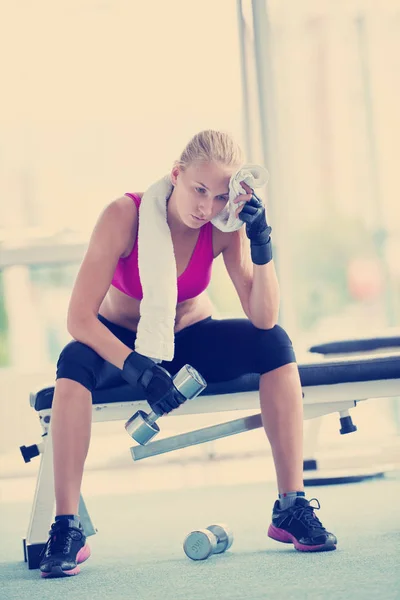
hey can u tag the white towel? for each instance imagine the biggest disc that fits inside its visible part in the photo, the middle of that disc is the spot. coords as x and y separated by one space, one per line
157 271
157 265
255 176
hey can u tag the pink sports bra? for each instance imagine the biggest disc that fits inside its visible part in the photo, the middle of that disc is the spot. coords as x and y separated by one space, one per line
191 283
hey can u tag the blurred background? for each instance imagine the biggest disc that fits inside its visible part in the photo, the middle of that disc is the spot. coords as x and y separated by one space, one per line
99 97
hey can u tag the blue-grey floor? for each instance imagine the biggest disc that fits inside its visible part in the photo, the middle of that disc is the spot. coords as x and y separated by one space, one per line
137 552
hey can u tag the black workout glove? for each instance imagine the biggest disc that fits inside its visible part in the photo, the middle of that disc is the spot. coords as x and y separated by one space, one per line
257 230
157 384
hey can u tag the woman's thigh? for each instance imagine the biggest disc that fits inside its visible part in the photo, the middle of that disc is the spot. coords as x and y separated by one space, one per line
228 348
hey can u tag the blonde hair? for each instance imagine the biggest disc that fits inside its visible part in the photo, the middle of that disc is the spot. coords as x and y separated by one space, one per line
211 146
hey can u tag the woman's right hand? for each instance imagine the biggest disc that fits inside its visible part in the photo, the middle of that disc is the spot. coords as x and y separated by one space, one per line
158 386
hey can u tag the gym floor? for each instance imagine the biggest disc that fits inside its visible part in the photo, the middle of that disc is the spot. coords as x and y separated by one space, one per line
137 552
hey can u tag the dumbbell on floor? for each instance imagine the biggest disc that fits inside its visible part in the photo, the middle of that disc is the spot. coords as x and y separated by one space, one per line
202 543
142 427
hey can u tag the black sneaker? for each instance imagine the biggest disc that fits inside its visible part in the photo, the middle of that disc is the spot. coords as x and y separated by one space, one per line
299 525
66 548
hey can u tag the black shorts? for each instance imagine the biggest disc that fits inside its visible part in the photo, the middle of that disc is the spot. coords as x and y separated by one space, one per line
220 349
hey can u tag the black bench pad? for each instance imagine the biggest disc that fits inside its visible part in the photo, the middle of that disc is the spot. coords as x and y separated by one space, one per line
358 345
312 374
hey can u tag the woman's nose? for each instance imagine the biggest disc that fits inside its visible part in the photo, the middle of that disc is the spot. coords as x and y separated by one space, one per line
205 206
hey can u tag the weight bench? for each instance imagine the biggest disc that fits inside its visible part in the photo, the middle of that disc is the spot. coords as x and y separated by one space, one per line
342 349
328 387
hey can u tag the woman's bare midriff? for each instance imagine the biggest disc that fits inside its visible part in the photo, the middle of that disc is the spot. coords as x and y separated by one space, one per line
123 310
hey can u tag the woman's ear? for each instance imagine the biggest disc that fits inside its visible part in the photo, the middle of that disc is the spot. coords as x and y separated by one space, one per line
174 174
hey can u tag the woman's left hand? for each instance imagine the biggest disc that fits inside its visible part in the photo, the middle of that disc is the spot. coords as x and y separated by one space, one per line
243 197
253 214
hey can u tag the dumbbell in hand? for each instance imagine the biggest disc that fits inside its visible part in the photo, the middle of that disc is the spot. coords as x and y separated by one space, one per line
202 543
143 427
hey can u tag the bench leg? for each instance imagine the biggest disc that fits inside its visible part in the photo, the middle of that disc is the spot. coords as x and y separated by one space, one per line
310 444
85 519
314 475
42 507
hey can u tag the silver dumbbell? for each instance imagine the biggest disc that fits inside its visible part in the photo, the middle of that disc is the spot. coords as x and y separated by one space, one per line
201 543
142 427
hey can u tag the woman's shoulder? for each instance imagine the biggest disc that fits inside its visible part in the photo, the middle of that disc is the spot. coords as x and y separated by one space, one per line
135 196
222 239
225 235
121 215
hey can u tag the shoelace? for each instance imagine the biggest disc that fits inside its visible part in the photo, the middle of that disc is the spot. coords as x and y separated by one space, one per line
60 540
306 514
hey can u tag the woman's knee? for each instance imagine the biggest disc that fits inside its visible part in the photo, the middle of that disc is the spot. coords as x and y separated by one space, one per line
79 363
67 388
274 348
275 335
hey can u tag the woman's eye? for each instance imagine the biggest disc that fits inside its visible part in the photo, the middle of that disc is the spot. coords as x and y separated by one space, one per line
200 190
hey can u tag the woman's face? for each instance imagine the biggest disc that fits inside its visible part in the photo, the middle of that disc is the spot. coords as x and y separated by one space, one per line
201 191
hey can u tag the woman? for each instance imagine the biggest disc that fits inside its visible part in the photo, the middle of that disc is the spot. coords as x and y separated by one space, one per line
103 317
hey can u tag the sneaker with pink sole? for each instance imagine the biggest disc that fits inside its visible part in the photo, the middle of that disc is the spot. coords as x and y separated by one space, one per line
300 526
65 549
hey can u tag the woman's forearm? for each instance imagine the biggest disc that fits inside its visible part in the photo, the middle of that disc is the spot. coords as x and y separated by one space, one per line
263 301
264 296
93 333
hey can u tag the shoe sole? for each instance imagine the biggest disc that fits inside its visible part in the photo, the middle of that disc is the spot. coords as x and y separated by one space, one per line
280 535
57 571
